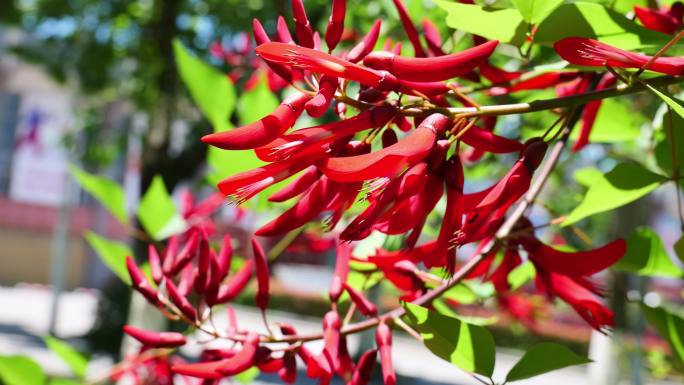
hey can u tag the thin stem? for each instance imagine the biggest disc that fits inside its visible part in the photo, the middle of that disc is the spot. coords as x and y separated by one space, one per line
544 104
408 329
660 52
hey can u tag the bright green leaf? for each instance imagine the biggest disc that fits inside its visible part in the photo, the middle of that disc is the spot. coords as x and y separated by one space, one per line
467 346
510 26
675 104
616 122
544 358
441 307
461 294
257 102
20 370
587 176
112 253
521 275
248 376
624 184
64 381
669 325
646 255
534 11
591 20
109 193
157 211
76 361
211 89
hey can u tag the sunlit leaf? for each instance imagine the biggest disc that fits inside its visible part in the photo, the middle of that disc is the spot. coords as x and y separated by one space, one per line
646 255
109 193
467 346
112 254
669 325
76 360
20 370
211 89
534 11
257 102
544 358
510 26
671 139
626 183
157 211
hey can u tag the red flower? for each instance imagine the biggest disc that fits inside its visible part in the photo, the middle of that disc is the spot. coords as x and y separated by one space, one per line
593 53
662 20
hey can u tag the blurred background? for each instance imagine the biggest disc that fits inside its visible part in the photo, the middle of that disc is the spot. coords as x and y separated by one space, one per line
92 86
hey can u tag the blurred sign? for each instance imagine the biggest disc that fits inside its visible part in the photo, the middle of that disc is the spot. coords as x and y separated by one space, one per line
39 163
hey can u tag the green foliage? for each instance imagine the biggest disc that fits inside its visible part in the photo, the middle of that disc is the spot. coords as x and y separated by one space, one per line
76 361
257 102
20 370
675 104
646 255
109 193
157 211
64 381
534 11
544 358
467 346
671 139
510 26
616 122
212 90
112 253
521 275
248 376
584 19
669 325
626 183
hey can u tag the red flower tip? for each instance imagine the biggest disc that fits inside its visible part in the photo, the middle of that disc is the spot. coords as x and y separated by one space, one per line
155 339
365 306
261 263
431 69
367 45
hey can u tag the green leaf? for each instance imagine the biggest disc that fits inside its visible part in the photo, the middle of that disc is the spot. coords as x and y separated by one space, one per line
510 26
591 20
64 381
664 146
248 376
646 255
467 346
20 370
441 307
76 361
257 102
157 211
212 90
624 184
461 294
669 325
587 176
112 253
521 275
109 193
616 122
544 358
675 104
679 248
534 11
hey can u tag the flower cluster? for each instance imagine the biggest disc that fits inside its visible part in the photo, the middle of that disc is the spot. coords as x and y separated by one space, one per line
399 147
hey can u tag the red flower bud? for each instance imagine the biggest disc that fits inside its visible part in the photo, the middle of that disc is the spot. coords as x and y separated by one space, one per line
180 301
203 263
434 41
288 373
341 271
263 131
485 140
261 264
155 264
215 370
410 29
365 306
170 255
577 263
297 187
303 29
431 69
235 285
383 338
317 106
261 37
661 20
283 31
364 369
155 339
365 46
187 254
336 23
140 283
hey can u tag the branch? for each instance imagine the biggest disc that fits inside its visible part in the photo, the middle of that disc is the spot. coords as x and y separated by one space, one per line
545 104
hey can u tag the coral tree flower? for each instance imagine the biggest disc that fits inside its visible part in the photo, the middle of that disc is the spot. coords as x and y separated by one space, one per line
593 53
662 20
